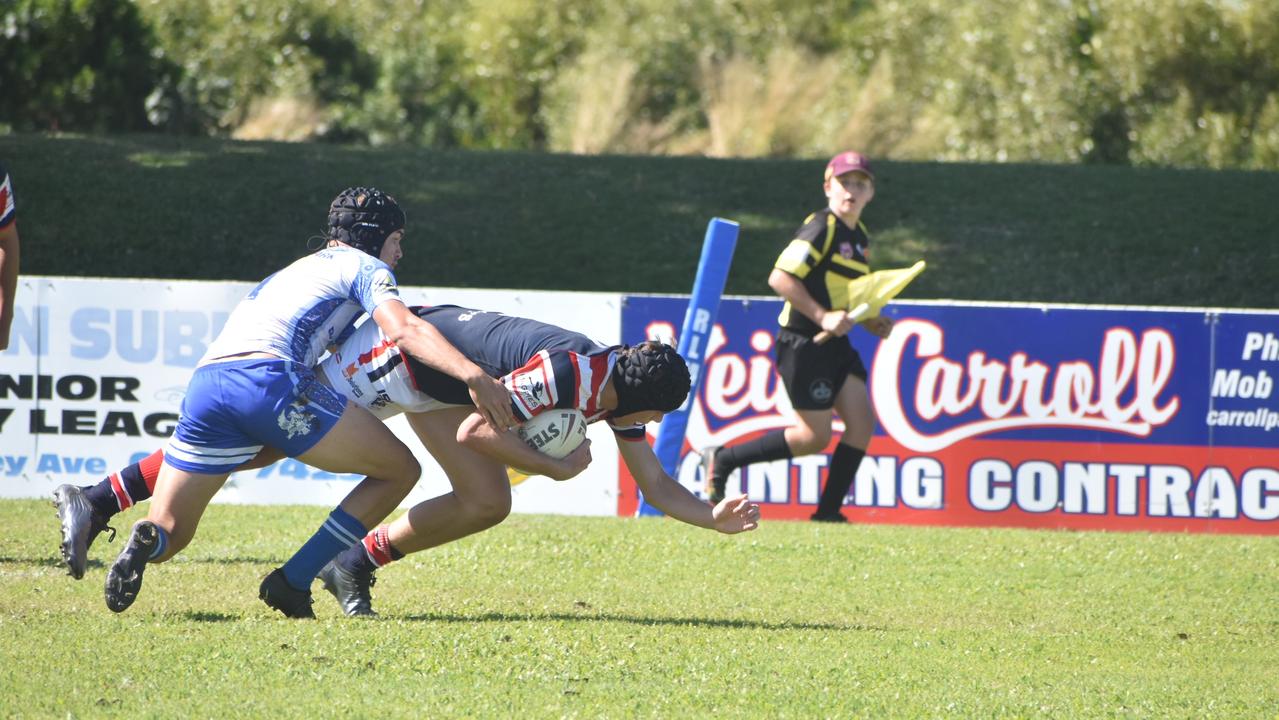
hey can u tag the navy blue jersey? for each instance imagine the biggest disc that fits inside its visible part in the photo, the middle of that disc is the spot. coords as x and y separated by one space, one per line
542 365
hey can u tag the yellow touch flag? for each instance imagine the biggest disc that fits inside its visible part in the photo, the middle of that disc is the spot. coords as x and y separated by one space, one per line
868 294
874 290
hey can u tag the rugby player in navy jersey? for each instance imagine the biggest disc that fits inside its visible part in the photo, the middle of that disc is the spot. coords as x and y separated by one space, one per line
543 367
255 387
8 256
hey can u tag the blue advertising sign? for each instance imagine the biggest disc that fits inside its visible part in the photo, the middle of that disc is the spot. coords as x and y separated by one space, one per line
1036 416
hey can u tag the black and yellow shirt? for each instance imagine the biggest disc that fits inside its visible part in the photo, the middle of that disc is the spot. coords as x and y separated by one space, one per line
824 255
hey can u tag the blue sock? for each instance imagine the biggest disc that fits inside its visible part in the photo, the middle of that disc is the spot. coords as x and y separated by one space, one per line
338 533
161 542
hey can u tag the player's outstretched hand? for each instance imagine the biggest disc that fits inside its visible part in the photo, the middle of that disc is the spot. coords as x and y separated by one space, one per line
735 514
493 401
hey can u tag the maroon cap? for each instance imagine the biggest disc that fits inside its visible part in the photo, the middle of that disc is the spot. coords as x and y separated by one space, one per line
847 162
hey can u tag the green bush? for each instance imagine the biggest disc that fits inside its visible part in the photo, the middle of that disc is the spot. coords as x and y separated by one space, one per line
1147 82
83 65
233 52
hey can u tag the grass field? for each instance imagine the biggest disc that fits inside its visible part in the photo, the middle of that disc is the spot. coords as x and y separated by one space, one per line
605 617
164 207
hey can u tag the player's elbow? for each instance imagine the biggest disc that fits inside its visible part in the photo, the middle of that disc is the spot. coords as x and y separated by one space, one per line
396 322
399 334
778 280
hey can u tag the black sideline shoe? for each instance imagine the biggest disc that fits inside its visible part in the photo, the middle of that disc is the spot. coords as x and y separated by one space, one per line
350 589
835 517
715 486
279 594
124 579
80 527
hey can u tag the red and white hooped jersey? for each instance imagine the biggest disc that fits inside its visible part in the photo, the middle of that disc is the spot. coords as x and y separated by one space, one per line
566 379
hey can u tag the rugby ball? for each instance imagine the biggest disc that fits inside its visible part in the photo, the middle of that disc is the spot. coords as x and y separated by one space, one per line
555 432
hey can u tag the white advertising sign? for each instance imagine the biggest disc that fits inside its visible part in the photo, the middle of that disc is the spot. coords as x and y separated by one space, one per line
96 370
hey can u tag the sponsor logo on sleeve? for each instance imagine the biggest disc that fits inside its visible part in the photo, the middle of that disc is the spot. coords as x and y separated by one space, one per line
532 390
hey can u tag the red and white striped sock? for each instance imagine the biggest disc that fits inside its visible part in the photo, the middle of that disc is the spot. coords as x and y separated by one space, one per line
377 544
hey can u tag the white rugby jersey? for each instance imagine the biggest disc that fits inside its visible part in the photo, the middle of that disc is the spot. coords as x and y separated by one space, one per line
301 310
369 370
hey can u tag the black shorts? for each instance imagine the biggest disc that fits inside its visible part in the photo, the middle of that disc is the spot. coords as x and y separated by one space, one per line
814 374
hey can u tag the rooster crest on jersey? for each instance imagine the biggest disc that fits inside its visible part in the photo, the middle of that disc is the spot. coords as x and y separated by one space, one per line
364 218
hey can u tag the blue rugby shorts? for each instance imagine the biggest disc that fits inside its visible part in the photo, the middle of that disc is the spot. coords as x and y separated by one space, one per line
233 409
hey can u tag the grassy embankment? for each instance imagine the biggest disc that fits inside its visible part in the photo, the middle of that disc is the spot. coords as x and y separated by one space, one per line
150 206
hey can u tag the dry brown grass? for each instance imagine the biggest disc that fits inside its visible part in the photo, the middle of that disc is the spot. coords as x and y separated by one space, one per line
291 119
792 103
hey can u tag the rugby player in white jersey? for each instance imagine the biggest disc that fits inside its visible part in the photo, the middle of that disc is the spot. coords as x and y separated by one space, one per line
255 387
543 366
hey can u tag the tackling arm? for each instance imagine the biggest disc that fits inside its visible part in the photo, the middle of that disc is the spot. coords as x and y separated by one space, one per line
732 515
421 340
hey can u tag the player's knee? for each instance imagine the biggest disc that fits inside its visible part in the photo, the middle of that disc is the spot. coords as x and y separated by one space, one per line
411 472
807 441
859 429
403 469
487 511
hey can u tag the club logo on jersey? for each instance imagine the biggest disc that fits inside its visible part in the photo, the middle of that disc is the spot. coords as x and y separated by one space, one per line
531 390
296 420
846 250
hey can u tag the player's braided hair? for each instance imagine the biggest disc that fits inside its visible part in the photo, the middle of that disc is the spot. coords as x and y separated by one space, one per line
649 376
364 218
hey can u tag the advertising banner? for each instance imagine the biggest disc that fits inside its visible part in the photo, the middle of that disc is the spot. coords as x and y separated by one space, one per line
1014 415
97 368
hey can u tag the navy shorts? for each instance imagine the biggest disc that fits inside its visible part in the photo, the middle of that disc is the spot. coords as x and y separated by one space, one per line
814 374
233 409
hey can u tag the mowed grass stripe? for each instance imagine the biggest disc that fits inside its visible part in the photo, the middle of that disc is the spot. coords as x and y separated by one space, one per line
607 617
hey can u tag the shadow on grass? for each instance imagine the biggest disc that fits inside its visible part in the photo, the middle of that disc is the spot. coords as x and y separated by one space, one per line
646 620
209 617
41 561
55 561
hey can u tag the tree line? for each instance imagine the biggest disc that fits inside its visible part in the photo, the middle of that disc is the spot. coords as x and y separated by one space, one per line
1138 82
